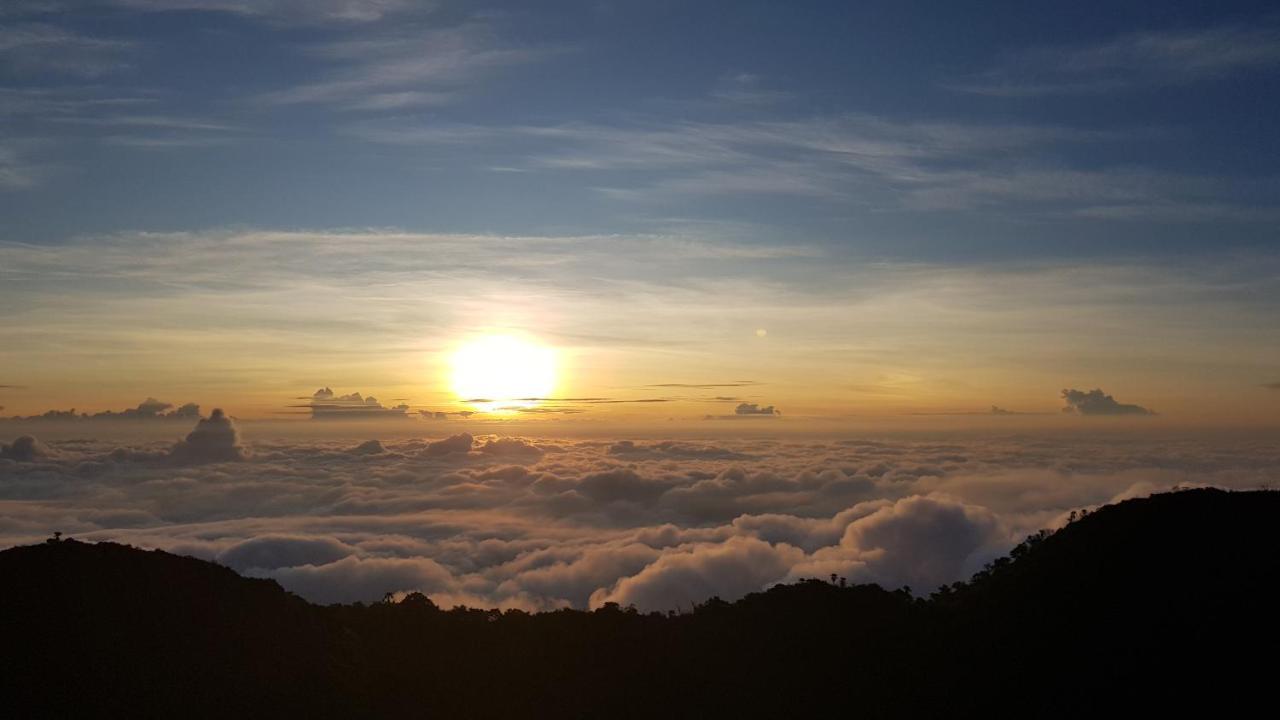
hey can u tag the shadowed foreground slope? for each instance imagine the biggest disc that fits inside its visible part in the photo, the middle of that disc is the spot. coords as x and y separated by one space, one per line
1150 605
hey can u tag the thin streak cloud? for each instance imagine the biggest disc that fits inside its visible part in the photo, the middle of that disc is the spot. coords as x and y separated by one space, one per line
1151 59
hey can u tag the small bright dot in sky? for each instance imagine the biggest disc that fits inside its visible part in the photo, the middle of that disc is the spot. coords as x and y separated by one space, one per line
504 370
761 332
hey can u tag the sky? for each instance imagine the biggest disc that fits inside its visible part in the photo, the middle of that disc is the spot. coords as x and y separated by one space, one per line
563 303
829 211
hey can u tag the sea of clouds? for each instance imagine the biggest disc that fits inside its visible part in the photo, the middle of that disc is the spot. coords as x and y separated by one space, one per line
535 523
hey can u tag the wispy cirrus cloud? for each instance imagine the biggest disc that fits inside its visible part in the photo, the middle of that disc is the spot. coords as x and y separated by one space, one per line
351 11
66 102
861 160
38 47
27 8
18 169
173 141
403 68
1155 58
858 140
150 122
132 119
156 131
747 89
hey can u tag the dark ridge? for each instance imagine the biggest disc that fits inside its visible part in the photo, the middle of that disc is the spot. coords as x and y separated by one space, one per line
1150 606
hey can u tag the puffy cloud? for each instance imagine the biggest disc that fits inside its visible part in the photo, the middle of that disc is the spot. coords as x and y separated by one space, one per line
673 450
1096 402
681 578
671 535
810 534
368 447
574 581
214 439
919 541
622 484
269 552
511 447
355 578
732 491
26 449
460 443
149 408
189 411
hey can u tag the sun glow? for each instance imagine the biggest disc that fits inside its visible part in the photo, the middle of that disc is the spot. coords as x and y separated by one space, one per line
495 372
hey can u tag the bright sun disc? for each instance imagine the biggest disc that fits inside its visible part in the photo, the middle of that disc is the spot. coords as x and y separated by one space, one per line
503 371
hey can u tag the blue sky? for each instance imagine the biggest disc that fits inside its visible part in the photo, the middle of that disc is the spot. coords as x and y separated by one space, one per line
895 129
926 207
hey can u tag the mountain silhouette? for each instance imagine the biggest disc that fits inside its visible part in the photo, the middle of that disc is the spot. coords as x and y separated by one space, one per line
1149 606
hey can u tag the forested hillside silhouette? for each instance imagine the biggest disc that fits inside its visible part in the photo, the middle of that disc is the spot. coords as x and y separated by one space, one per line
1152 605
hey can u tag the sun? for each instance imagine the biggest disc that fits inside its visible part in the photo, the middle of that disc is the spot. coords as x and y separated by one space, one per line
493 372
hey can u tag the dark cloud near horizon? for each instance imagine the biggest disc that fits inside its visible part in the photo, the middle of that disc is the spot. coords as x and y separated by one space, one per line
544 410
995 410
754 409
325 404
149 409
1096 402
1272 386
746 410
445 415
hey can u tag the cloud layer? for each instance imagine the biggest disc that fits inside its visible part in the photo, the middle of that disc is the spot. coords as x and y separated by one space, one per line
547 522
